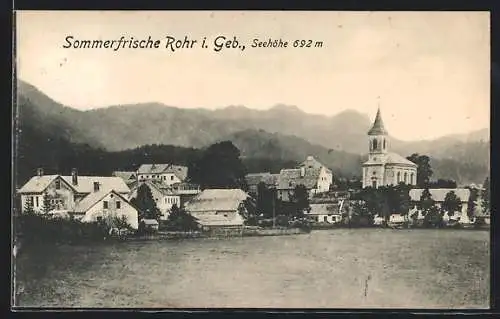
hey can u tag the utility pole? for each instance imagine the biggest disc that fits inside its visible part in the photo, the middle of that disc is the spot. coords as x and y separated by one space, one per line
274 213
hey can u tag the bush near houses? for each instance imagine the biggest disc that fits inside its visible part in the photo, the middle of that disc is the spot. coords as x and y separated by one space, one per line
35 228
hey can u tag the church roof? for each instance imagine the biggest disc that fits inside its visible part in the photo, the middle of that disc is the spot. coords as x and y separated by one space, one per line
378 126
389 159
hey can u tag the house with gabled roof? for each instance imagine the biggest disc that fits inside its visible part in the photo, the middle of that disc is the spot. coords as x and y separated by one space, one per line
73 193
105 204
220 208
439 195
315 180
167 173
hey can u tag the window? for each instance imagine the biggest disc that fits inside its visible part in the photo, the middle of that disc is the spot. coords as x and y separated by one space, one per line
58 183
325 219
374 183
375 144
384 143
99 218
118 205
105 204
171 177
36 201
411 178
164 177
405 177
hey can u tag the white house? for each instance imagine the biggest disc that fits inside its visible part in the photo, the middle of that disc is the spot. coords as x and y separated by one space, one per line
101 205
164 196
64 192
167 173
219 208
326 212
438 195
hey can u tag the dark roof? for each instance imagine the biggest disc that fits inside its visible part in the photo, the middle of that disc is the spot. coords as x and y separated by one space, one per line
255 178
378 126
289 178
312 162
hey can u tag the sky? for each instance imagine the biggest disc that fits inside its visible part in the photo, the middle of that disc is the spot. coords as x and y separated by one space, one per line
428 71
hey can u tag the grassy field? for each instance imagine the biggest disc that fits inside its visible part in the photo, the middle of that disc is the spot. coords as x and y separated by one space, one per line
342 268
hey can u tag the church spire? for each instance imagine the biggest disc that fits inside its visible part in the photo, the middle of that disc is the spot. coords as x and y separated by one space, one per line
378 125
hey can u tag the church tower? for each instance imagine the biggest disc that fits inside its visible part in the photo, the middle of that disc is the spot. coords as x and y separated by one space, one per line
378 137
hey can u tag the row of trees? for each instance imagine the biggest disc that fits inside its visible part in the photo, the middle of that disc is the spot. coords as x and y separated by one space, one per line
388 200
270 206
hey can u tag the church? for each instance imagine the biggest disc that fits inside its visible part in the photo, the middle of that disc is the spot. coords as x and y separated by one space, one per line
382 167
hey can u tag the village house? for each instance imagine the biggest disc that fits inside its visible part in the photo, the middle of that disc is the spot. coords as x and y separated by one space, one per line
438 195
326 211
163 195
81 195
220 210
101 205
167 173
254 179
382 167
316 181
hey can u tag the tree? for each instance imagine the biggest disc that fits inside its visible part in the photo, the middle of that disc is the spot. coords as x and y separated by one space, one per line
426 203
47 205
300 200
29 207
359 213
220 166
451 203
403 199
424 169
471 203
181 220
265 200
433 217
145 203
485 196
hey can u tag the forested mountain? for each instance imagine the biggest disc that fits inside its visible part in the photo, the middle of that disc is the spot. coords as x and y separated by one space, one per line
98 141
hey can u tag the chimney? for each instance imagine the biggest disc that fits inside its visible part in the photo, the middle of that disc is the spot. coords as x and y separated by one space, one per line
74 176
310 158
39 172
96 186
302 171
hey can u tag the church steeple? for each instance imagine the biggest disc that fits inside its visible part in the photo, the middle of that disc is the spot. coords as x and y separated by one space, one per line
378 125
378 136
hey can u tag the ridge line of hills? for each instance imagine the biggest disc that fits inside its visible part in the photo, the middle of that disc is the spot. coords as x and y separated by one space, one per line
269 139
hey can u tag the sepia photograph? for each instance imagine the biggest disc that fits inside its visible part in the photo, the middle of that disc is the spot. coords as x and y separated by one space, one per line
251 159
